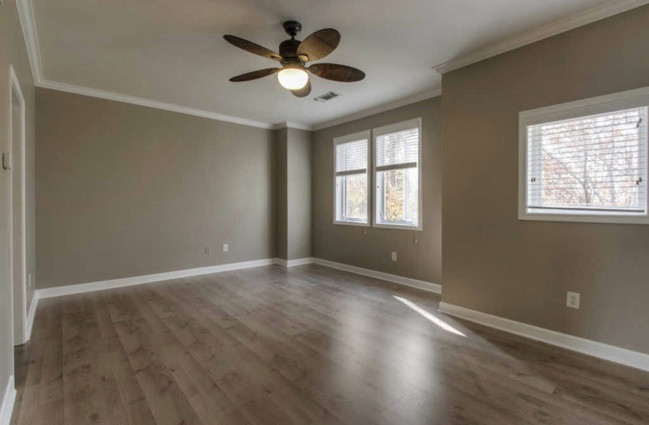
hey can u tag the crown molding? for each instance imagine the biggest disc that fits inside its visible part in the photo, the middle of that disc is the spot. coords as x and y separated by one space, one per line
541 32
28 25
30 33
428 94
293 125
69 88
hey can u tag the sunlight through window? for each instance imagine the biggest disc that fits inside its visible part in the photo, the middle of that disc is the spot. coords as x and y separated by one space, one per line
442 324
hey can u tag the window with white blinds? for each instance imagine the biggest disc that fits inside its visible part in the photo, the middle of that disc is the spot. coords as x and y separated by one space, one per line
590 167
351 179
397 175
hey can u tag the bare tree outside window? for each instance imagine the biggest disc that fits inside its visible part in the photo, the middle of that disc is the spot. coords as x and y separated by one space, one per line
397 162
351 179
596 162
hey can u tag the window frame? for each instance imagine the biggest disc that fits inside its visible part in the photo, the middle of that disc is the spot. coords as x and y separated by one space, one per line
387 129
570 110
365 134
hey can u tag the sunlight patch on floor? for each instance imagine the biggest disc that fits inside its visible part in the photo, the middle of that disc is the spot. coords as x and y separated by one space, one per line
439 322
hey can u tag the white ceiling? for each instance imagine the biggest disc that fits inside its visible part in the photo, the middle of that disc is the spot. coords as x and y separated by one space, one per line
172 50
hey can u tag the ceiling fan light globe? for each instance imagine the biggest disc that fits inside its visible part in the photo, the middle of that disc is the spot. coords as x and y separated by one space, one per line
293 78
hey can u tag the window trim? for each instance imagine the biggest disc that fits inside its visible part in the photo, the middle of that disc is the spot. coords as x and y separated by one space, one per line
387 129
365 134
581 108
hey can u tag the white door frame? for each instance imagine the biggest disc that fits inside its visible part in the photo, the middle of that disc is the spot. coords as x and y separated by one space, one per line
19 289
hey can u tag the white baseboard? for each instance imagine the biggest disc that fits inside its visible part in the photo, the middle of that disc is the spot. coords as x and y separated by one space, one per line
30 316
413 283
292 263
7 407
570 342
139 280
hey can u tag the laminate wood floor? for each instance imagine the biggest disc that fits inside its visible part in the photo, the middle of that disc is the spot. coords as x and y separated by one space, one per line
309 345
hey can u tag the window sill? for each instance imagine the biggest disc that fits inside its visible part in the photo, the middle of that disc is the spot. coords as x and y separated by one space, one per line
352 223
586 218
397 226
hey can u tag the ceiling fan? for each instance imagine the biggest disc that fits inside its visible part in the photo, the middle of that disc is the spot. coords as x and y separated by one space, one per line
293 56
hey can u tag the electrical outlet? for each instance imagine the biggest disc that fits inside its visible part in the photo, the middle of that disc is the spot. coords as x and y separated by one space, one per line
394 256
207 250
226 248
573 299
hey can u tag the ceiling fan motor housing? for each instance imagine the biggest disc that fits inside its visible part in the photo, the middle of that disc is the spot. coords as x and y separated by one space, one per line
288 50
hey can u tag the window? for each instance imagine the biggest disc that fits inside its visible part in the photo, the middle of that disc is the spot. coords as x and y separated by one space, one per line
397 175
586 160
351 179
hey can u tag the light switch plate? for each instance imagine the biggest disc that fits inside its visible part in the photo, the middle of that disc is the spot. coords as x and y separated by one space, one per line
7 160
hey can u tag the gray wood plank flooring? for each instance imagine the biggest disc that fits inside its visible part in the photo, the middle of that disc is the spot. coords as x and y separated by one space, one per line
308 345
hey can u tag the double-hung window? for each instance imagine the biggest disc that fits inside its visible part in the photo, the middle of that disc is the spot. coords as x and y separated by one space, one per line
351 202
397 175
585 160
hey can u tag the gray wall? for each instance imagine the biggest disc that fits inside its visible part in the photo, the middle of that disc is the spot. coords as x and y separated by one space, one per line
293 194
521 270
372 249
13 52
124 190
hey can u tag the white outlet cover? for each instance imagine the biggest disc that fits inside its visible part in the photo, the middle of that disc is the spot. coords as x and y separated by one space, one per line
394 256
225 247
573 299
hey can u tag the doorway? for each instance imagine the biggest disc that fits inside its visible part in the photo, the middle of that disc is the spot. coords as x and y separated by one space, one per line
17 199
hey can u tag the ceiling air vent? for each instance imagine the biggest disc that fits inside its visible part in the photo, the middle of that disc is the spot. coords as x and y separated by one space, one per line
327 96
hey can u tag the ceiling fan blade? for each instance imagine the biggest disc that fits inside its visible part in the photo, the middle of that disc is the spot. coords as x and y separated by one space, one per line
304 91
254 75
335 72
251 47
319 44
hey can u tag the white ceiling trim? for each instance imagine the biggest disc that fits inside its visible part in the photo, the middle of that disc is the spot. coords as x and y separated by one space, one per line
428 94
541 32
118 97
30 33
28 25
291 124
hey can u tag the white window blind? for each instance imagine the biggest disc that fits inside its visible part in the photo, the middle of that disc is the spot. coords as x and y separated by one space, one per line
351 157
397 150
595 164
351 179
397 175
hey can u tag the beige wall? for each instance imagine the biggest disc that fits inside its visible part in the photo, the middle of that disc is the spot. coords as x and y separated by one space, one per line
12 52
293 194
350 244
521 270
299 194
124 190
281 193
